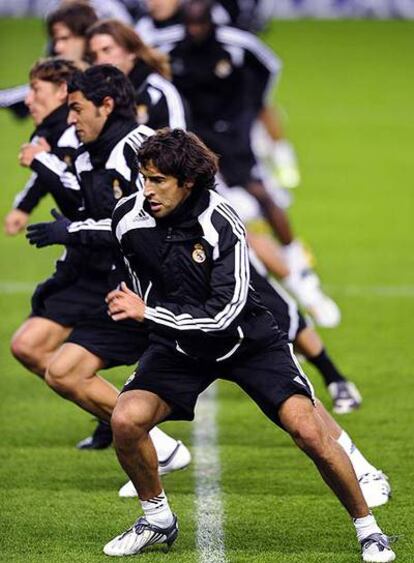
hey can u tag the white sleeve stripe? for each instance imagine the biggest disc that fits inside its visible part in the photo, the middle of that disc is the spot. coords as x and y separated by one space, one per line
227 212
70 181
90 225
242 277
224 318
11 96
251 43
23 193
52 162
176 114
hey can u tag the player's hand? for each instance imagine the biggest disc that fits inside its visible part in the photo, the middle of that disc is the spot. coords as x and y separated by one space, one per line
125 304
15 221
29 150
54 232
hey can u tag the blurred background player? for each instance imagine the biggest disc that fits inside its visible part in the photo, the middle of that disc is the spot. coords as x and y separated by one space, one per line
46 102
209 65
66 28
67 345
158 102
164 23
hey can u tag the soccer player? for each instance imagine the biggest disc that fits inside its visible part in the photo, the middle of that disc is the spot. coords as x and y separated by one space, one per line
46 101
158 102
66 27
165 25
187 251
69 337
225 74
373 482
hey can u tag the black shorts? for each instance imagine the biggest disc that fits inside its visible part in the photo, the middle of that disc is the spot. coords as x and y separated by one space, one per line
269 376
82 306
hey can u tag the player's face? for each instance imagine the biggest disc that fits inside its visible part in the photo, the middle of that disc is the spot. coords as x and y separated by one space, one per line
43 98
162 10
88 119
104 50
162 191
198 31
66 44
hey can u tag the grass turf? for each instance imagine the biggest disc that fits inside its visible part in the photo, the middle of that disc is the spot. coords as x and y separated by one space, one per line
346 93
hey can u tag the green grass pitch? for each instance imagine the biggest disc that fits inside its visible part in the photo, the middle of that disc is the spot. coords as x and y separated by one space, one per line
347 93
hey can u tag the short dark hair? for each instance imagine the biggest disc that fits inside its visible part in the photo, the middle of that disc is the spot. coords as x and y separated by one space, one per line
77 16
53 70
197 11
182 155
101 81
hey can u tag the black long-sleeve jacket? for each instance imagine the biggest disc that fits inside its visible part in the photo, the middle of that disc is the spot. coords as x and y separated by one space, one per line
63 145
159 104
192 270
107 170
230 72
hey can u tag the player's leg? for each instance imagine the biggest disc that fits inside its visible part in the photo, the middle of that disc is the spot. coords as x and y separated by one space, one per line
160 373
35 342
136 412
283 392
300 280
301 420
344 393
373 482
72 373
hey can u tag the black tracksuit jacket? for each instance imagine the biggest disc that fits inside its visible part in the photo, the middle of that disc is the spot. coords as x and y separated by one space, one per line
106 171
63 145
159 104
192 270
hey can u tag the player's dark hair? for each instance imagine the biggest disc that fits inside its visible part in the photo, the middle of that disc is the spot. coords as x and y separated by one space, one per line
53 70
101 81
182 155
128 39
197 11
77 16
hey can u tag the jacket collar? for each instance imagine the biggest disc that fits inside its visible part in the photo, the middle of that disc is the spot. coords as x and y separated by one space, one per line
53 125
115 129
186 214
139 74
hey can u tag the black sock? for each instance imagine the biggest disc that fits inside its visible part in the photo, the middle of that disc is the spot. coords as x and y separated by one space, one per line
327 368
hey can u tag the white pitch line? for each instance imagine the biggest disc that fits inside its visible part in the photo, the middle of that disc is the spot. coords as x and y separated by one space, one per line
14 287
390 291
387 291
210 533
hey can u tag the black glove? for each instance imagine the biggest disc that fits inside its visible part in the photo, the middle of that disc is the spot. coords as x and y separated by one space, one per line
55 232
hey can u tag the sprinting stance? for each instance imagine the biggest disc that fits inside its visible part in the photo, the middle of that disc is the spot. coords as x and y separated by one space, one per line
69 337
187 252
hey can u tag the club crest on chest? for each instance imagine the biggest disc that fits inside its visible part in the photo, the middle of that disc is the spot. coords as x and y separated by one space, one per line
199 254
116 188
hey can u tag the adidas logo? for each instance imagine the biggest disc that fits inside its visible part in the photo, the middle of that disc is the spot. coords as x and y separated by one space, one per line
298 380
141 216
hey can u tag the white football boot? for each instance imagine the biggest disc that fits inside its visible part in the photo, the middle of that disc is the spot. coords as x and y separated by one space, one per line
345 396
376 488
180 458
376 549
305 288
141 535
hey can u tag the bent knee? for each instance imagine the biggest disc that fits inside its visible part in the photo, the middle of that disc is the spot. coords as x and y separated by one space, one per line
131 419
311 436
24 350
